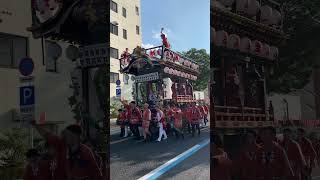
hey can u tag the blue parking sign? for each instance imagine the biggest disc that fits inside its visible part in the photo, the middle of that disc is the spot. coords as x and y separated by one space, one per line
118 92
26 95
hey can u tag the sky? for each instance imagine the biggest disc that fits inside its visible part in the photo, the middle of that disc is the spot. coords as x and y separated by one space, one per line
186 23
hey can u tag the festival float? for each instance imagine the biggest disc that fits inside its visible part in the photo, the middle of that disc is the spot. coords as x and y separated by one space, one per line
160 75
245 35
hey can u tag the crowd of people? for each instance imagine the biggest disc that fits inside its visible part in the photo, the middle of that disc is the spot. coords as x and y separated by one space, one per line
266 156
170 119
64 158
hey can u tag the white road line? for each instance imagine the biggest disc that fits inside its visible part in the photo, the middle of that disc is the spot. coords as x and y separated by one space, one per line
122 140
316 177
175 161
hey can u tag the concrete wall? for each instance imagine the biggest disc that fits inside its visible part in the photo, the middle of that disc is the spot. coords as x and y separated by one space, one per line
52 89
129 23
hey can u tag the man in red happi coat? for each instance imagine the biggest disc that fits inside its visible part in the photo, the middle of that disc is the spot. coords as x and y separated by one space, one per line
221 164
246 162
295 156
196 116
308 151
272 161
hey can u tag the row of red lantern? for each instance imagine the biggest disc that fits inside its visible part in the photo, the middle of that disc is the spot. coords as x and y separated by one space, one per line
173 57
233 41
268 15
176 58
179 73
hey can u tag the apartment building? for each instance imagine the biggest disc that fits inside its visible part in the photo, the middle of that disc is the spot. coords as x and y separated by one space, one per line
51 77
125 29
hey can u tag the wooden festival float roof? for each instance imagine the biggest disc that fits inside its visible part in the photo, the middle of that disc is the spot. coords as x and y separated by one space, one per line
163 61
245 31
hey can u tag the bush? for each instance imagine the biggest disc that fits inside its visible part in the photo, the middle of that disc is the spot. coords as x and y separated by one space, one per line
13 146
114 106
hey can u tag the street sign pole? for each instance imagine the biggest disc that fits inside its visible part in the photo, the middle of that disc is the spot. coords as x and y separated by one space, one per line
27 96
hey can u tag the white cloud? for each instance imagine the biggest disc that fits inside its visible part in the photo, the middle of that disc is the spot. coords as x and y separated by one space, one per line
146 46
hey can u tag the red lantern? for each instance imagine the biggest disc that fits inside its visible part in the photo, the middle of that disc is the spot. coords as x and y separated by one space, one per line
222 38
266 50
234 41
266 13
257 47
245 45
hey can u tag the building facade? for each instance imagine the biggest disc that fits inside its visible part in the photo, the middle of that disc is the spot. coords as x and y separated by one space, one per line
125 32
51 77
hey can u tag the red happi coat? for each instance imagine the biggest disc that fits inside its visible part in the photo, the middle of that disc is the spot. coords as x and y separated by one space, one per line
121 118
196 115
145 119
295 157
246 163
188 114
272 164
135 116
222 168
308 151
177 117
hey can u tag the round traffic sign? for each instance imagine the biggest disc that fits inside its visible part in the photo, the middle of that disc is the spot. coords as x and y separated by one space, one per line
118 82
26 66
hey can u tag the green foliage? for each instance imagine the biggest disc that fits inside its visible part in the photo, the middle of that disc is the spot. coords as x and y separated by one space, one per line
201 57
299 54
114 106
13 145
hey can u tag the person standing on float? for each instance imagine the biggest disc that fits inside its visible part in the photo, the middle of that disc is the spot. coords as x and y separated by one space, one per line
146 118
161 121
295 156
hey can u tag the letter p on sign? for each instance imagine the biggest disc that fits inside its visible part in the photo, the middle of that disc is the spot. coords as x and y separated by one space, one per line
26 95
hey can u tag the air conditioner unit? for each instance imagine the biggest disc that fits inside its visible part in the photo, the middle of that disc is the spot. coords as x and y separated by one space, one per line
15 114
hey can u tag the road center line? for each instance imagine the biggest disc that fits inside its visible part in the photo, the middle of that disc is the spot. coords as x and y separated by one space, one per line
173 162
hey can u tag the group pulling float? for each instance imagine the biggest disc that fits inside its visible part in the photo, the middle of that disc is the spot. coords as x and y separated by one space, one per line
161 76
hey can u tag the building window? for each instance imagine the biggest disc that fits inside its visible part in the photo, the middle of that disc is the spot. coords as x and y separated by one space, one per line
114 53
126 79
114 6
50 62
114 29
137 11
12 50
138 30
124 12
114 77
124 34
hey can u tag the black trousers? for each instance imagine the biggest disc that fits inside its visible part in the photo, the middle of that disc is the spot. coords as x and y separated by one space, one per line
178 133
194 127
134 128
189 127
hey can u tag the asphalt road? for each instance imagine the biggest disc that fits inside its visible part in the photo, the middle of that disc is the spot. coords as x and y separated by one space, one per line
132 159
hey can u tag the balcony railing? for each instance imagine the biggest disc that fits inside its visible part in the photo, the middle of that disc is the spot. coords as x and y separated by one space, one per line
228 113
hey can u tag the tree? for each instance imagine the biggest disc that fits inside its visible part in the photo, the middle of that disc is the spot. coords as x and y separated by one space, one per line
299 54
202 58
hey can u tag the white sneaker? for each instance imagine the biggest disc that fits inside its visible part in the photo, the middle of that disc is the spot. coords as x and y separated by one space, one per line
165 138
158 140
